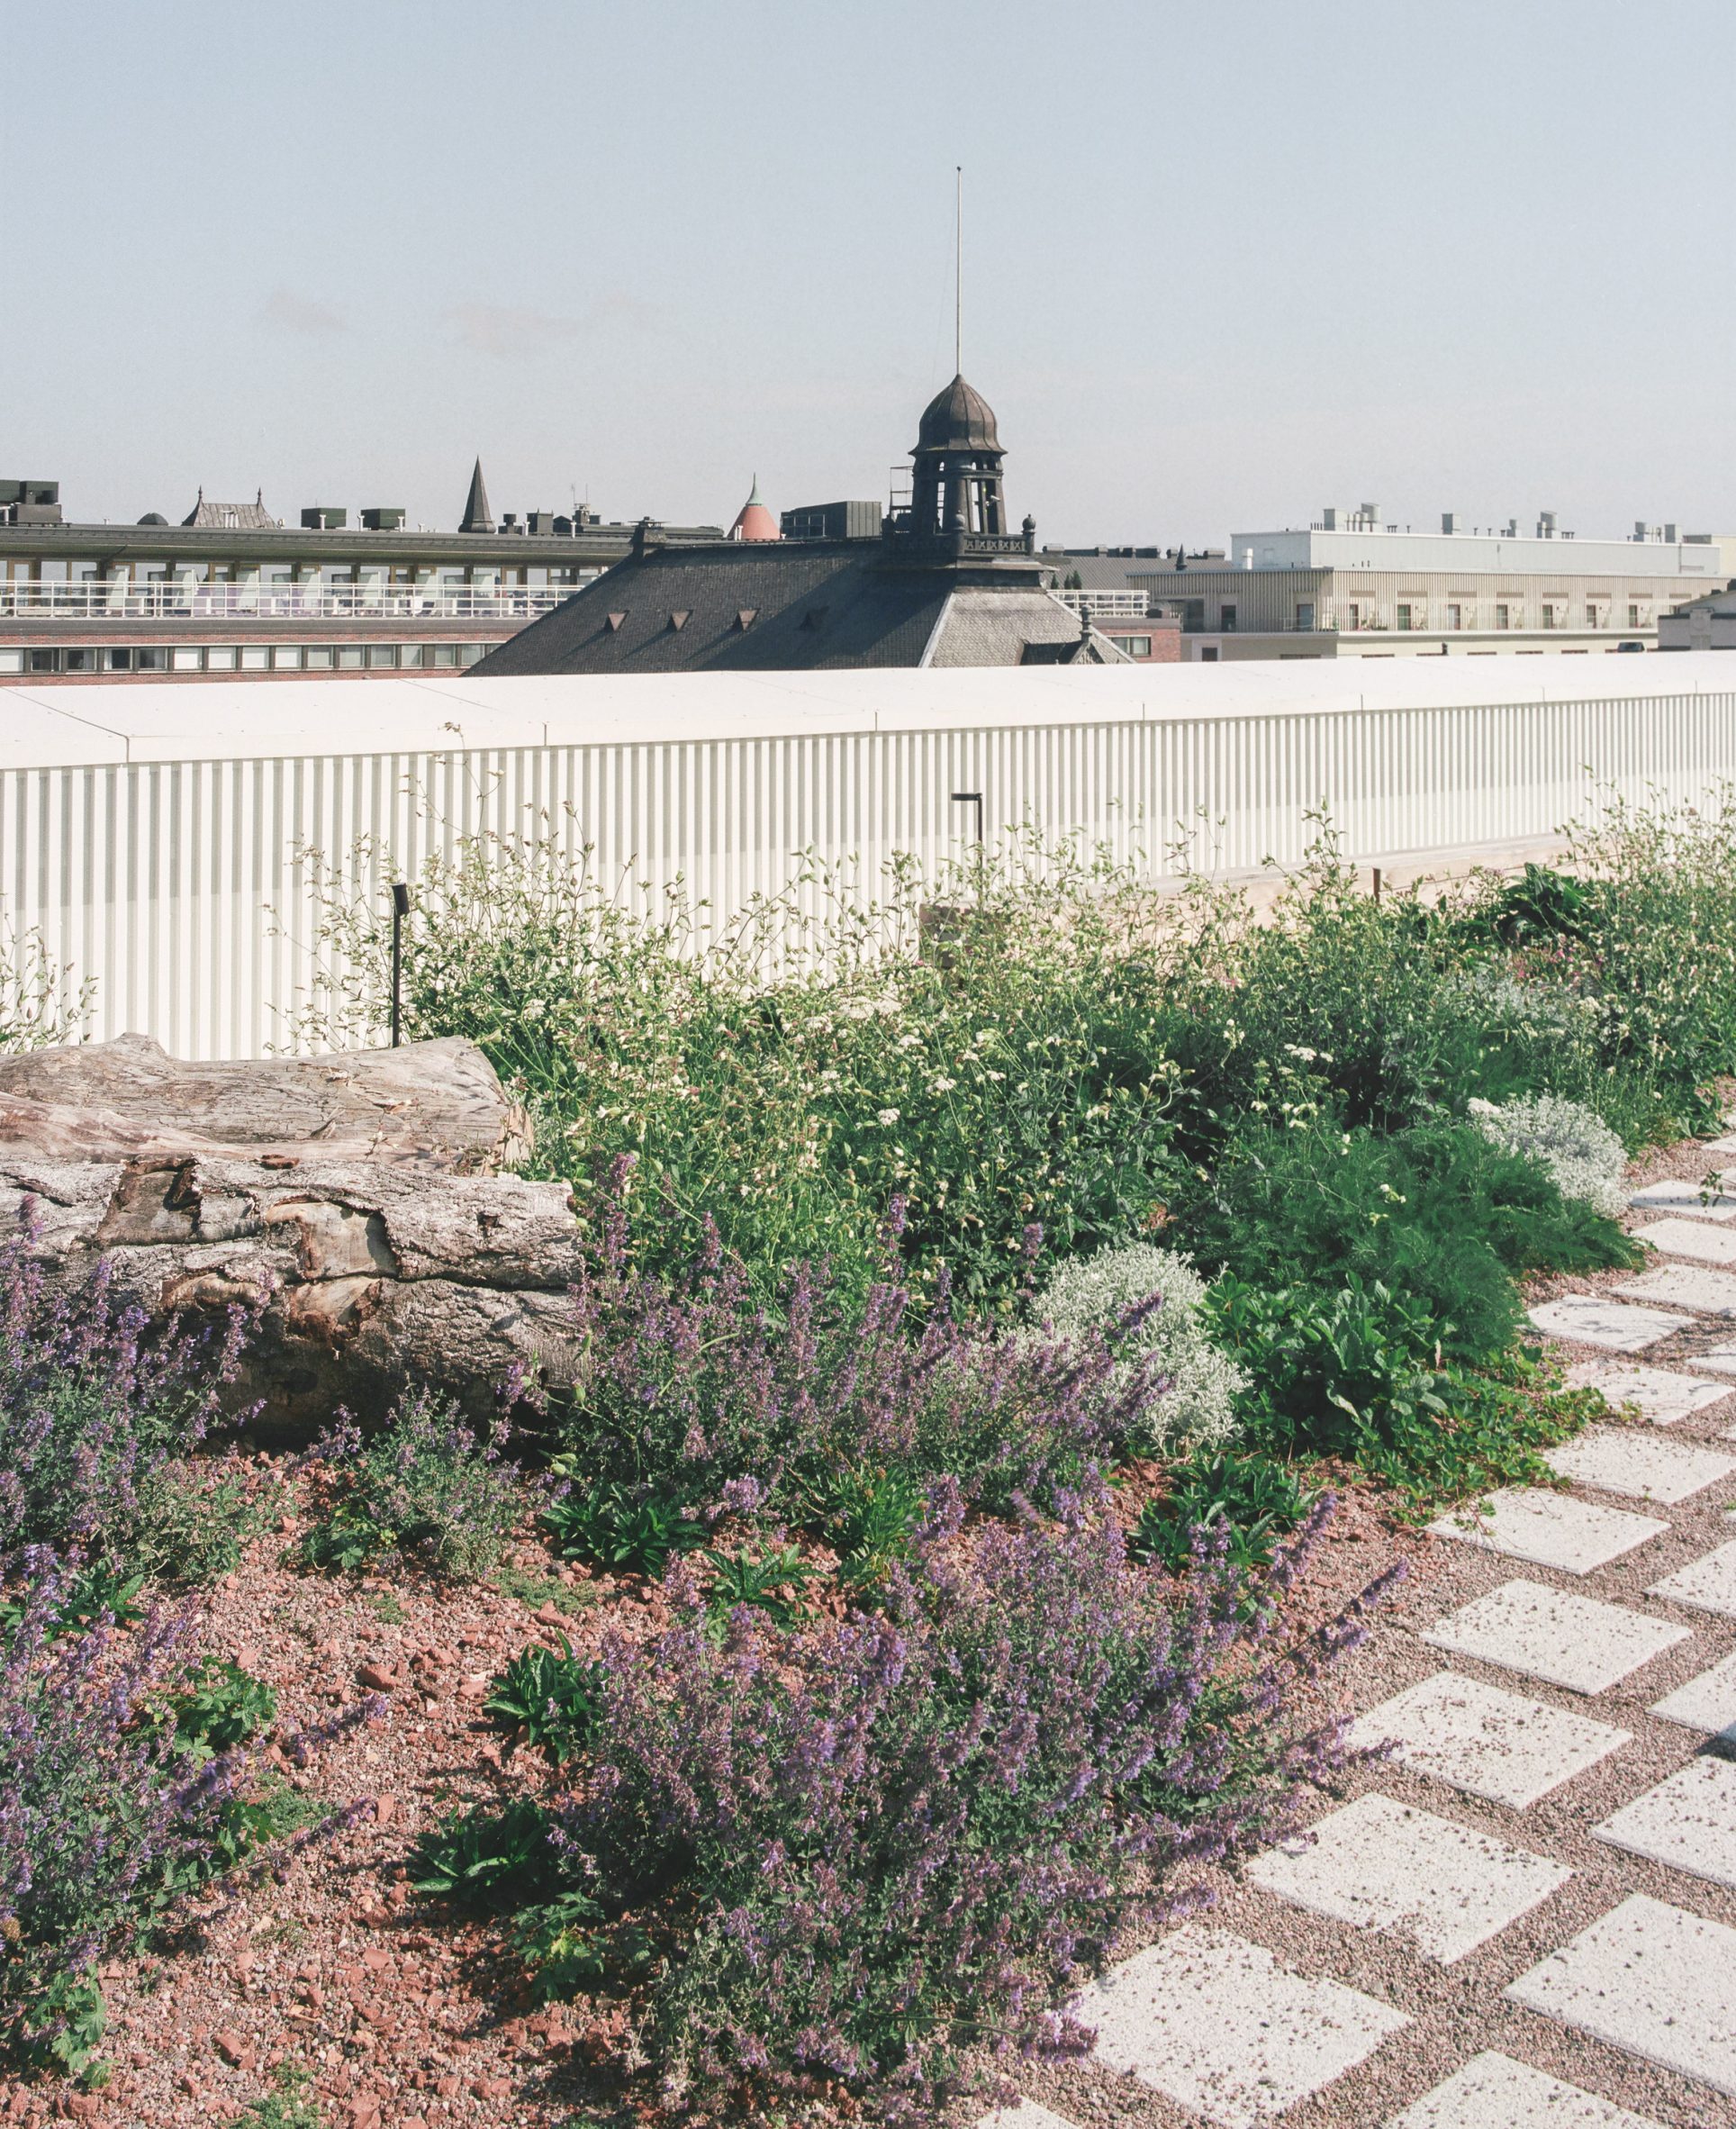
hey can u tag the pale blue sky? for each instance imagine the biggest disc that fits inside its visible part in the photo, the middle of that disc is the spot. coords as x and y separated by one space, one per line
1222 264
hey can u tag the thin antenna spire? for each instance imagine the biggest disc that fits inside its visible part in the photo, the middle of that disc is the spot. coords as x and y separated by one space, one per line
958 273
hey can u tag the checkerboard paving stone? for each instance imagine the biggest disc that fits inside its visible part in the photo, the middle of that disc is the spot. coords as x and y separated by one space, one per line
1689 1821
1377 1864
1693 1200
1026 2115
1218 2025
1648 1979
1708 1583
1658 1394
1707 1702
1549 1530
1495 2092
1488 1743
1618 1460
1685 1286
1549 1634
1692 1238
1588 1319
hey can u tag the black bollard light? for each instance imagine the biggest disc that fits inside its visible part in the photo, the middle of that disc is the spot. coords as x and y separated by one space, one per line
400 910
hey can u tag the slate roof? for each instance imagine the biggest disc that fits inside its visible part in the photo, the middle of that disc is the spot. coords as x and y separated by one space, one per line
231 517
808 606
957 419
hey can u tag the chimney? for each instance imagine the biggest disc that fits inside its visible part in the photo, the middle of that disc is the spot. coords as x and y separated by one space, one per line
1546 524
1449 520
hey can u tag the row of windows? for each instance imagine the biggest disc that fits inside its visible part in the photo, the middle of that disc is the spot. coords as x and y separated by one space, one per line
1554 614
241 658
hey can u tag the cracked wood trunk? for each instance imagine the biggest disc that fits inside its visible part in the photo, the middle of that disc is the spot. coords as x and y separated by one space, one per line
353 1201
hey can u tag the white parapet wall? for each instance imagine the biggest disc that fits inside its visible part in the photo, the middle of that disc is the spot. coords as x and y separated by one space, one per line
153 835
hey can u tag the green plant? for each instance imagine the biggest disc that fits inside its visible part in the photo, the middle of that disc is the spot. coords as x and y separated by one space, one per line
219 1706
610 1524
869 1516
290 2105
423 1489
487 1858
1253 1500
556 1700
771 1582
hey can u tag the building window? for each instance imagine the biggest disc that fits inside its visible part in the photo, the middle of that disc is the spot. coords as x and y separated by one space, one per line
1226 619
1634 618
469 653
185 661
117 661
1594 614
349 657
409 654
285 657
1209 654
1503 617
11 660
1353 614
79 660
1455 617
221 659
1549 611
151 658
382 654
319 657
255 656
1409 616
1305 614
43 661
442 654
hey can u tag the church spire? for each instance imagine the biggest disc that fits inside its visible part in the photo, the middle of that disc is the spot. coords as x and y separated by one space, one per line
477 516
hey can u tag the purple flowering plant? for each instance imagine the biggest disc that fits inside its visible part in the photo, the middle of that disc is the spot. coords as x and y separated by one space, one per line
697 1390
875 1855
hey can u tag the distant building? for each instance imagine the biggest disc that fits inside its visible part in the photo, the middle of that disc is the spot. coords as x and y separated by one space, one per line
944 581
1351 586
1702 624
833 521
754 521
232 589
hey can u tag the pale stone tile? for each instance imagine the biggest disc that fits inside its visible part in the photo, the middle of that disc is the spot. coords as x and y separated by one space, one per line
1548 1633
1687 1198
1620 1460
1490 1743
1651 1980
1727 1145
1220 2027
1495 2092
1688 1821
1549 1530
1707 1702
1587 1320
1685 1286
1689 1237
1658 1394
1708 1583
1377 1864
1721 1357
1026 2115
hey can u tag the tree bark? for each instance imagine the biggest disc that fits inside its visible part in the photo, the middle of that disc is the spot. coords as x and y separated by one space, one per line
335 1196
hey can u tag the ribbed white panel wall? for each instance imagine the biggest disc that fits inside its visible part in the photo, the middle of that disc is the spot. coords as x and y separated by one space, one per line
177 886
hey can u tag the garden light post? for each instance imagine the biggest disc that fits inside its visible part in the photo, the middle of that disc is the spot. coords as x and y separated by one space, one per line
971 798
400 910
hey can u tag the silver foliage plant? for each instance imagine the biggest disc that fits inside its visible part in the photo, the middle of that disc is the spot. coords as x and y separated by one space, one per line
1584 1156
1101 1293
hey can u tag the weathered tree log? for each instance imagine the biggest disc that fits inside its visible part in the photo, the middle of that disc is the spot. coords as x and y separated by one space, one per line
439 1103
331 1196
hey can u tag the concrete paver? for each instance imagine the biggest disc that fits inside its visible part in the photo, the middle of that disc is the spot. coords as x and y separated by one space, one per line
1658 1394
1707 1702
1026 2115
1495 2092
1688 1821
1549 1530
1619 1460
1708 1583
1589 1319
1685 1286
1565 1640
1693 1200
1650 1979
1221 2027
1689 1237
1488 1743
1377 1864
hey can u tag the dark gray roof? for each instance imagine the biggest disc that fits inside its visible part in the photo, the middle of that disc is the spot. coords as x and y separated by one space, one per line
477 516
958 419
810 606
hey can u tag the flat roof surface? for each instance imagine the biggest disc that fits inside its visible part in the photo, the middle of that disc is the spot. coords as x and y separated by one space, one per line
56 727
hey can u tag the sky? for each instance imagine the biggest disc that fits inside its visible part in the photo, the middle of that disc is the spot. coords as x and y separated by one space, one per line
1222 265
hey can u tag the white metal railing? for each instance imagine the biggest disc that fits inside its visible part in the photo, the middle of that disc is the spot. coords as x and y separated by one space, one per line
174 599
1128 605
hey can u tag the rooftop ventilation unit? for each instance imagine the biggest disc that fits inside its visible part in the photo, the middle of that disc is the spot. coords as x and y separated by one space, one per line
1449 520
383 519
323 517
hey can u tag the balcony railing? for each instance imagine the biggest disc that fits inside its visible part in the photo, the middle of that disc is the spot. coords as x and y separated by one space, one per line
97 600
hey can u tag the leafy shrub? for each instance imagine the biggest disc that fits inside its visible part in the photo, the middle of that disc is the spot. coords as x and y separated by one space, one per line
771 1582
99 1419
115 1795
1584 1158
870 1517
1111 1293
1438 1215
1255 1501
292 2105
423 1489
611 1526
555 1698
852 1852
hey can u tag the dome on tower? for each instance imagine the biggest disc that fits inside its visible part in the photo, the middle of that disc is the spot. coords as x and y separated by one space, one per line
754 521
958 419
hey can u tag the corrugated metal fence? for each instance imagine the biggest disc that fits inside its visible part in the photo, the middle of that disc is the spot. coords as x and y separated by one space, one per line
179 887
